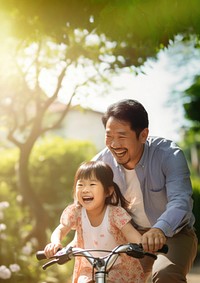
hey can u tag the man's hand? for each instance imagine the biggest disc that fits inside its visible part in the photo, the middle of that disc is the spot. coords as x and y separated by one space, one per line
153 240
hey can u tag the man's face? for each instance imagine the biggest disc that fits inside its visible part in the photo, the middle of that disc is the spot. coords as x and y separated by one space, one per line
125 146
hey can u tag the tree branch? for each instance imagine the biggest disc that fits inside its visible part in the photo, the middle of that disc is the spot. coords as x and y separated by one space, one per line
64 113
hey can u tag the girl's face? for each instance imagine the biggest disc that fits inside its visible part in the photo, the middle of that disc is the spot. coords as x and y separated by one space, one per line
90 194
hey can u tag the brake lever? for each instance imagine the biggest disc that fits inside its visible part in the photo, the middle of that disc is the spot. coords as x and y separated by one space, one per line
44 267
135 250
59 260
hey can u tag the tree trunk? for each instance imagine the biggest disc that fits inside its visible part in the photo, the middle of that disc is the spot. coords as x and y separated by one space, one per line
31 199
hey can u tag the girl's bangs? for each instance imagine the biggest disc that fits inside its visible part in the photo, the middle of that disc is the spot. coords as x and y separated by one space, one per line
86 173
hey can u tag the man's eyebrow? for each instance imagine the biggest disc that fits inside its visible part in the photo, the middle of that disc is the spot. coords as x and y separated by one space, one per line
121 132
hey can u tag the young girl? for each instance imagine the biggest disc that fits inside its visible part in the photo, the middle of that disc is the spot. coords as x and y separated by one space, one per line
100 221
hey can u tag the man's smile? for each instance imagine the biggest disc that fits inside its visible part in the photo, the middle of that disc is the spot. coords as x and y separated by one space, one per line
119 152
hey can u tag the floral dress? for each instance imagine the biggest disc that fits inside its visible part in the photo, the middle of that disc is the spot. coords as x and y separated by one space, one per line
126 269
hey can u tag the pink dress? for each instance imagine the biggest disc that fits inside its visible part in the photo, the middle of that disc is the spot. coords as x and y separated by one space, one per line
126 269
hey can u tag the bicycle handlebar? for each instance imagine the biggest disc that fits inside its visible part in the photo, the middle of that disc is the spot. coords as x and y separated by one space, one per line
67 253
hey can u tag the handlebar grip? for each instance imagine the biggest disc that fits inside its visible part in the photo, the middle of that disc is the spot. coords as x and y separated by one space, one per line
40 255
163 250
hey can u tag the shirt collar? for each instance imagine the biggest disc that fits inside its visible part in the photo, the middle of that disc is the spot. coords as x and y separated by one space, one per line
143 159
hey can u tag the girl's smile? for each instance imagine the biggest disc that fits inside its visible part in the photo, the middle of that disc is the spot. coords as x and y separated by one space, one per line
87 199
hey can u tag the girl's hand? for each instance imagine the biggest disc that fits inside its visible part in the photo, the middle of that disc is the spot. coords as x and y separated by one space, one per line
51 249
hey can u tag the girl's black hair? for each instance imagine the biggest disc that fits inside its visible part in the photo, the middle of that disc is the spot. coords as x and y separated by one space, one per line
104 174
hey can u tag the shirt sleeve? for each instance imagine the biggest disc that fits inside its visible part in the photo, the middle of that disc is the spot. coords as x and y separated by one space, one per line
178 211
69 216
120 216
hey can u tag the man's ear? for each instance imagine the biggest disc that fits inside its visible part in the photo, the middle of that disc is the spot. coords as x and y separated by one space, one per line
144 135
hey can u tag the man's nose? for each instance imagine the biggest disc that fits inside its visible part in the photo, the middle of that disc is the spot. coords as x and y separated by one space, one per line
115 143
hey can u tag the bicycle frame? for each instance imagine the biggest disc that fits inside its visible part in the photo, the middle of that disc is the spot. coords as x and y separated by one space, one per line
102 265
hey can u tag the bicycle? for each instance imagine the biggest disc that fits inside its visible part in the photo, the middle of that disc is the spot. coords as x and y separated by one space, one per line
102 264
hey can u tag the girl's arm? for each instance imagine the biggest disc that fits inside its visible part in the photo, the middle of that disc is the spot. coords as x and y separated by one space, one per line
131 234
122 220
56 238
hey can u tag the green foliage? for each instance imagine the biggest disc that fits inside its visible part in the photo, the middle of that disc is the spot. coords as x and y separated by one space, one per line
8 162
196 197
52 167
15 250
138 28
192 105
191 146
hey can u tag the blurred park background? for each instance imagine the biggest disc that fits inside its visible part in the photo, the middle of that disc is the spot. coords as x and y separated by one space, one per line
61 64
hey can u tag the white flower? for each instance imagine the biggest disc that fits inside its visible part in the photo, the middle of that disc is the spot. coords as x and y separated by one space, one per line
14 267
4 204
5 272
34 242
27 250
19 198
2 227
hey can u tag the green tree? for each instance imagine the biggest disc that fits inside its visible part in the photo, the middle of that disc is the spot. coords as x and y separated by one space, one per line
137 28
25 105
192 133
192 105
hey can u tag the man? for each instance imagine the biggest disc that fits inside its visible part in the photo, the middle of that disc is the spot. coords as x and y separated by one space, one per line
153 175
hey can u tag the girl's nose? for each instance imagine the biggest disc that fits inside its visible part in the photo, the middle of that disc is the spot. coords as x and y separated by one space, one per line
85 189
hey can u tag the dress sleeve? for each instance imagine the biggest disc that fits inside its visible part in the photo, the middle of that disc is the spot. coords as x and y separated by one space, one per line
69 217
120 216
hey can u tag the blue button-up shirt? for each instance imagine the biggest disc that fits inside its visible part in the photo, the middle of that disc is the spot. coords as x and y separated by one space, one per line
165 183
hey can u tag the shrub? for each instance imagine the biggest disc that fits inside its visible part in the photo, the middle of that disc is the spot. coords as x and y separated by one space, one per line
196 198
53 165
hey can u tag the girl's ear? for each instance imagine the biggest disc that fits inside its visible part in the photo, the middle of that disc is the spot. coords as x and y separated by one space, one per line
112 195
111 190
